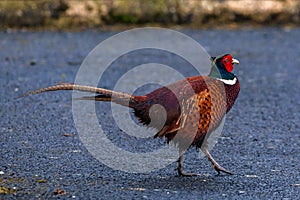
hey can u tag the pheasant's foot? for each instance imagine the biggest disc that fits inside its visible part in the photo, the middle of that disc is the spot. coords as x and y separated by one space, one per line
219 169
180 168
216 166
182 173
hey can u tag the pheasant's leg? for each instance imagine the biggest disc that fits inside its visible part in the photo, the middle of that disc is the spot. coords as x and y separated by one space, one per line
180 168
216 166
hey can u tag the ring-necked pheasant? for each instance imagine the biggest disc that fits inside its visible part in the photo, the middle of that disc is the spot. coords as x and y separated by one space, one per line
193 107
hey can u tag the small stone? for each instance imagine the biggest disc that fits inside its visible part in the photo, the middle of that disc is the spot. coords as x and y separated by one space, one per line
32 62
67 135
251 176
59 191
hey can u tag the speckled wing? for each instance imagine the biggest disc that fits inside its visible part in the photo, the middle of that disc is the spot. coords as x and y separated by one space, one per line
189 123
201 113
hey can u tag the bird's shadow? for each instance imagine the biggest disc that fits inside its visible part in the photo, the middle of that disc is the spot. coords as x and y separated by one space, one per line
178 183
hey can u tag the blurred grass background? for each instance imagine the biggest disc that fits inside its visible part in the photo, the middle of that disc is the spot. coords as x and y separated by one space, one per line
78 14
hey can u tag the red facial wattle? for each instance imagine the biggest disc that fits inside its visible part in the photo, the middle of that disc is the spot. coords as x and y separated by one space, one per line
229 66
227 62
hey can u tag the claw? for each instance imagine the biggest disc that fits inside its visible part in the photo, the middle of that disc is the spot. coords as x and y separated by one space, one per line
180 168
216 166
182 173
219 169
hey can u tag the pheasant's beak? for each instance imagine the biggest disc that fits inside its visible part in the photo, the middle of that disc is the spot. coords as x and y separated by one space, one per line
235 61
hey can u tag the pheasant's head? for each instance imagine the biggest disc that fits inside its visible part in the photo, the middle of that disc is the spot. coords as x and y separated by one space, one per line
222 67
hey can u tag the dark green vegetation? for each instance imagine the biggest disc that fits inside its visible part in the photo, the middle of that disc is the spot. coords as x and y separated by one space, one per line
64 14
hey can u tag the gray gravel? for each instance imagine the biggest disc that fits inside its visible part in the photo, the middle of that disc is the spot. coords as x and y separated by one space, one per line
260 141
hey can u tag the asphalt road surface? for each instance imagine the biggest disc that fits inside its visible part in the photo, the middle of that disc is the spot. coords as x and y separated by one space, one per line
42 156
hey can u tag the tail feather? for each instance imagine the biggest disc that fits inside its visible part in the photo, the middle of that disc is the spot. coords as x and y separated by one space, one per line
104 94
94 98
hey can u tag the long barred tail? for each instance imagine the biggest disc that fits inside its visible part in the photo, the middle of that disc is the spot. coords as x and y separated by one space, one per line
104 94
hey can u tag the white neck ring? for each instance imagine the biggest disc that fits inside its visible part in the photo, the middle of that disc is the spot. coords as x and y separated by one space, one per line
228 82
